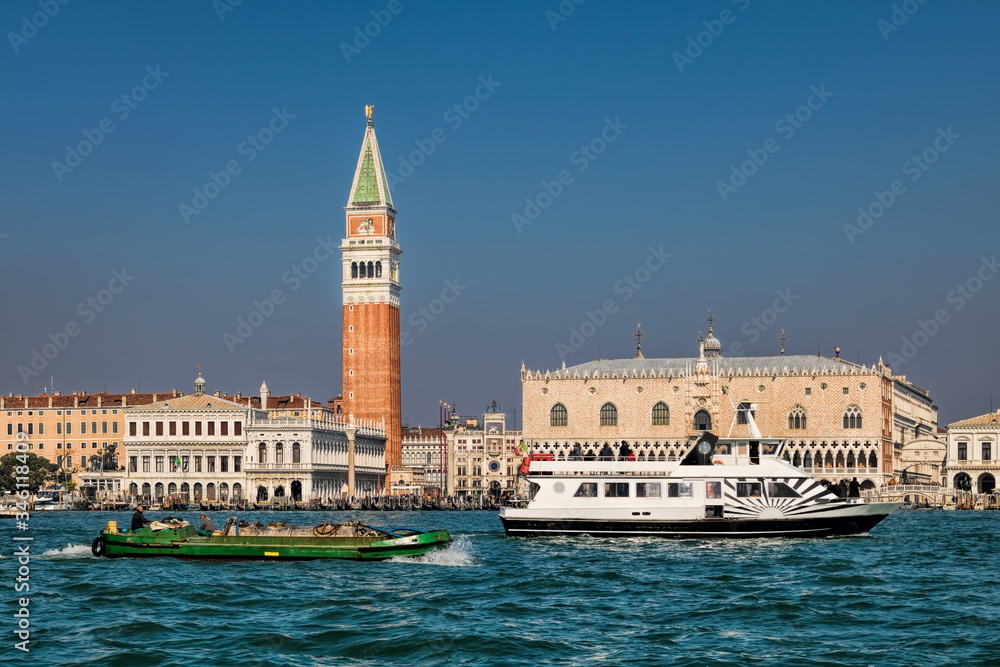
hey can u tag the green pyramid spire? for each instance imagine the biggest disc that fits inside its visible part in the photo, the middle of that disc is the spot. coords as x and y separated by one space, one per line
371 187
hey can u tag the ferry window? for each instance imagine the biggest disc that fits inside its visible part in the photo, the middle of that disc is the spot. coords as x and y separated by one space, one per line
748 489
586 490
679 490
769 448
533 488
616 490
713 490
722 449
647 490
781 490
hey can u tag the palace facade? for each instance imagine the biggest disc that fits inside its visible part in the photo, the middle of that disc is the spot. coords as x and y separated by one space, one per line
973 463
841 419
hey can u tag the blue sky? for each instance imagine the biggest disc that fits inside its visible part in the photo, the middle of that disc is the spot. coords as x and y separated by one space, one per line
643 110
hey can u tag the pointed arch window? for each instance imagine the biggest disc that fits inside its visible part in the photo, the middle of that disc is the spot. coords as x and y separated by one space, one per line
558 415
702 421
354 269
852 417
609 415
797 418
661 414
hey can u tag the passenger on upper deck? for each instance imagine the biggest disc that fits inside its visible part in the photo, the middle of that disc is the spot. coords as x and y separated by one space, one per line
606 453
576 453
624 451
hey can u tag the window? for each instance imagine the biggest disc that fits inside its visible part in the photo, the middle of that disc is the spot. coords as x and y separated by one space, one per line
808 390
781 490
647 490
262 453
987 451
748 489
223 464
159 464
58 428
145 428
963 451
185 463
702 421
354 269
197 428
114 426
93 427
679 490
609 415
185 428
846 390
237 463
558 415
132 428
83 461
83 427
159 428
661 414
616 489
10 429
279 453
210 463
69 428
237 428
173 428
852 417
713 490
797 418
211 428
104 427
41 428
741 413
297 454
133 464
586 490
224 428
145 464
197 464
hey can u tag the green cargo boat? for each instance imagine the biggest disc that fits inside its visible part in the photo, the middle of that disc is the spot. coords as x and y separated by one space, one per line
240 540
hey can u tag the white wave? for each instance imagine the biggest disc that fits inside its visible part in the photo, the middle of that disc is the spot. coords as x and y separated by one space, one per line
457 554
70 551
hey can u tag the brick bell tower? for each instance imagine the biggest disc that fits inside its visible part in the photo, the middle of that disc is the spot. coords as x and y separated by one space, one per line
370 284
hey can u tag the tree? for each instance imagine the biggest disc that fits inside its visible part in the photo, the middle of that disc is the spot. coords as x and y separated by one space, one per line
24 464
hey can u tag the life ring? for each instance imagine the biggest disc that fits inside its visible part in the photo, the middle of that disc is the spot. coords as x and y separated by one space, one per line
717 462
97 548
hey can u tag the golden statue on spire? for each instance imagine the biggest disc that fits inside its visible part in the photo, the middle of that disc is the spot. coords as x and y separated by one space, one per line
368 110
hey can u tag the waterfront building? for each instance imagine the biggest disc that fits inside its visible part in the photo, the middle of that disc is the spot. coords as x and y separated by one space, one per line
484 460
371 285
973 463
427 449
79 432
208 447
842 420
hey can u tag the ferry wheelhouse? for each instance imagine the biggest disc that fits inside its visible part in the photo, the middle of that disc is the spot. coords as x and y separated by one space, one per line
734 487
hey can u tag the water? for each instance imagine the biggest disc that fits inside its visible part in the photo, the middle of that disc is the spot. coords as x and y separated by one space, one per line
921 590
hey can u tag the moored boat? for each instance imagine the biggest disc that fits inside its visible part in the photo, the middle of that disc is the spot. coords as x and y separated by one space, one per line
240 540
721 488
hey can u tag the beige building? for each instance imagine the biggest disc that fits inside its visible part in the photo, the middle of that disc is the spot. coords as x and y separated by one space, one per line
484 460
80 432
973 463
842 420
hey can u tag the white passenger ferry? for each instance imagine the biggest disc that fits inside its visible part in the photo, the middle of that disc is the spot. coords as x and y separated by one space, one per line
720 488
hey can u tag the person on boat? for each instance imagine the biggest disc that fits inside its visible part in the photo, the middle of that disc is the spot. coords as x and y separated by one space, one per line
207 525
606 453
576 453
854 489
624 451
139 519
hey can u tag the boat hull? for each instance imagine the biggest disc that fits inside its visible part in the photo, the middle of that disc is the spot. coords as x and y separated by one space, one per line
184 546
845 523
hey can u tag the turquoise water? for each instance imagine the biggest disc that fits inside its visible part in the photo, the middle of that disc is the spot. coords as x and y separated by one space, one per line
921 590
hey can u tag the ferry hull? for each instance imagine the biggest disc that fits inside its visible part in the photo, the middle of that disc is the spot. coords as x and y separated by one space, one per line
726 528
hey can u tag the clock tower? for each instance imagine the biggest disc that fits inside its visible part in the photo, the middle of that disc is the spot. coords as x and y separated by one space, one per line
370 254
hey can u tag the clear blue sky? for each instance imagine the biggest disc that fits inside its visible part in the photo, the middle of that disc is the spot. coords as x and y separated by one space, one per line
555 86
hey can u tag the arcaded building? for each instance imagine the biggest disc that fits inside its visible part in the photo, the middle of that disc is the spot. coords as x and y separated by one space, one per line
973 461
841 419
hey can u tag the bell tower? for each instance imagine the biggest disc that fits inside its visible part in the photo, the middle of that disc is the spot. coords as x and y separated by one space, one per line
370 255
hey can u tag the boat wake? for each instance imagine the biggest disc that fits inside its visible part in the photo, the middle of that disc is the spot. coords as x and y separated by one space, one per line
457 554
69 551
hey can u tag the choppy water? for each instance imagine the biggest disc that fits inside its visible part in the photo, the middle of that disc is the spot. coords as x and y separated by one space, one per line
921 590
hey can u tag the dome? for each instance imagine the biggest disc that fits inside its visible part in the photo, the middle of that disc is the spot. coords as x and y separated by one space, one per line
713 347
